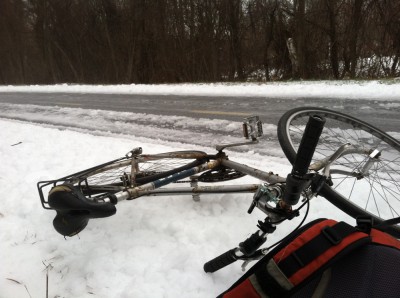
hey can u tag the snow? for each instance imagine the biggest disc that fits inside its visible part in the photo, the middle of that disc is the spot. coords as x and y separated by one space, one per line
377 90
133 125
152 247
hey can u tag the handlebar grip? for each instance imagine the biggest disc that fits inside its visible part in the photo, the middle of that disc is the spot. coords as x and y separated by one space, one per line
295 182
308 144
221 261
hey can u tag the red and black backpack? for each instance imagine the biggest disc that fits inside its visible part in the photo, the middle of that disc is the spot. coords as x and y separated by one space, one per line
326 258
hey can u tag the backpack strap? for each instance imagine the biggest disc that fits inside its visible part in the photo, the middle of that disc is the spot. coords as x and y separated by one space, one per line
382 238
295 263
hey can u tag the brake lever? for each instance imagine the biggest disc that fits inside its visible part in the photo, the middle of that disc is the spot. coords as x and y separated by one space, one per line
248 260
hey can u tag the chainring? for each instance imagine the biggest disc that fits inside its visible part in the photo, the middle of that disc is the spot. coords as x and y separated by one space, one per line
220 174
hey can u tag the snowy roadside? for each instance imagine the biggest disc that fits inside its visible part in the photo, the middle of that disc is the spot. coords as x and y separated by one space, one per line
181 129
152 247
377 90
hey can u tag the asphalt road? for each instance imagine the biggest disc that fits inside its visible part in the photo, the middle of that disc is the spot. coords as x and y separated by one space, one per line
383 114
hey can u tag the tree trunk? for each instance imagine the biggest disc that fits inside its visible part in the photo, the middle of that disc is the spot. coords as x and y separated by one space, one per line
234 28
333 47
394 65
354 30
299 39
293 57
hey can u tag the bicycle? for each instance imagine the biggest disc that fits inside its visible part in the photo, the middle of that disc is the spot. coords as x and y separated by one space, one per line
349 154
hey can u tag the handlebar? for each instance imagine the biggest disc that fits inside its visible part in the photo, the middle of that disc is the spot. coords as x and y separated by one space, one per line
246 249
221 261
74 210
295 182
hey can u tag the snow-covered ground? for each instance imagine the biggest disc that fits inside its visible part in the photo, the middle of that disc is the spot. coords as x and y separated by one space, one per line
377 90
152 247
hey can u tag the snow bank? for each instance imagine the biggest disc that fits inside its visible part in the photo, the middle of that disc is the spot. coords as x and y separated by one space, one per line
378 90
199 131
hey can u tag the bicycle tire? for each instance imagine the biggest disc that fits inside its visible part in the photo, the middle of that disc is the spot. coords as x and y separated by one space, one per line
114 176
355 196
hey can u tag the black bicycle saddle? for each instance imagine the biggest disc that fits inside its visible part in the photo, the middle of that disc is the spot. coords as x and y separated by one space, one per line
74 210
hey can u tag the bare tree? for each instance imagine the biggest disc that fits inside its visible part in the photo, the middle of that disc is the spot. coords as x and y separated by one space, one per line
144 41
331 6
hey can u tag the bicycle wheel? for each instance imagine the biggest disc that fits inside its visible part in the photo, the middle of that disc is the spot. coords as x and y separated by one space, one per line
134 171
376 194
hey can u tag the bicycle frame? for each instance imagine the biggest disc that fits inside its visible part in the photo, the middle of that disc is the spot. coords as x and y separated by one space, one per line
156 188
152 188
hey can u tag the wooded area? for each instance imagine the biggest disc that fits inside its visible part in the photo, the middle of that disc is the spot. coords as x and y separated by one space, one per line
149 41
